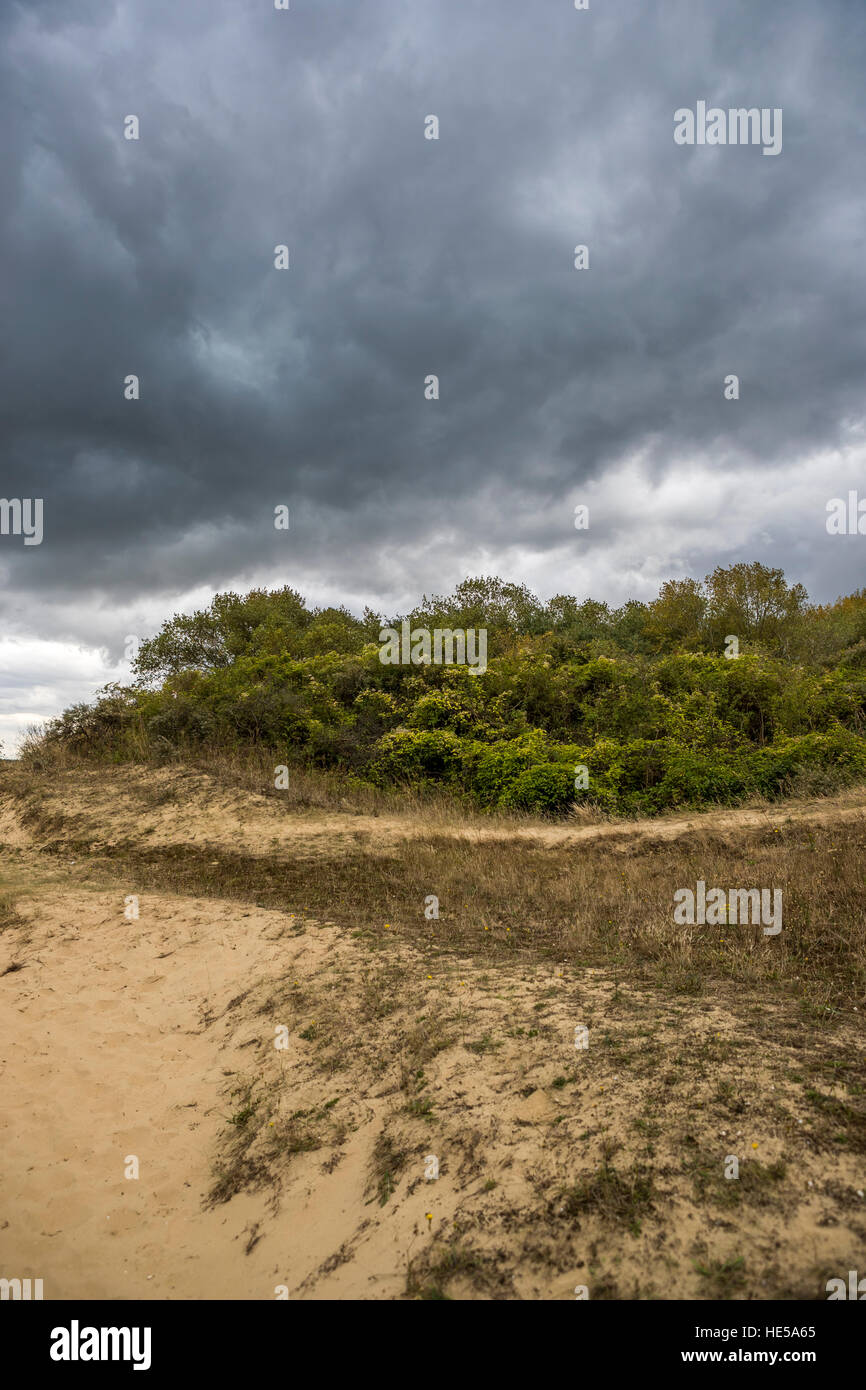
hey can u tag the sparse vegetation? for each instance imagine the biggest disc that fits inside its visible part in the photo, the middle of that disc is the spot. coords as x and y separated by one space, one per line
623 1198
528 899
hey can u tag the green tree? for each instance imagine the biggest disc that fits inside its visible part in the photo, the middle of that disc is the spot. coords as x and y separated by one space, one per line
676 619
212 638
752 602
503 608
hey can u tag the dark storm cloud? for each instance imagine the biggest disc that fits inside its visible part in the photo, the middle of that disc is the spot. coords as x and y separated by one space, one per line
409 257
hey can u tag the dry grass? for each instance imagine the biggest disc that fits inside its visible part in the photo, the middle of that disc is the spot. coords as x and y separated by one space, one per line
608 901
309 789
455 1036
592 905
9 916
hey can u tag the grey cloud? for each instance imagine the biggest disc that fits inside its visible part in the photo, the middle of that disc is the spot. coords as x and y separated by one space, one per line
410 257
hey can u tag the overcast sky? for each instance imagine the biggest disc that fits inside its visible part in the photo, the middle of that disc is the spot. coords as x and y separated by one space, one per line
410 257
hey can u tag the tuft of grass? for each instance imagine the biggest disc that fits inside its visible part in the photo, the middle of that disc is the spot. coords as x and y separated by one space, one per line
622 1198
724 1277
429 1276
837 1121
421 1107
387 1163
757 1184
10 917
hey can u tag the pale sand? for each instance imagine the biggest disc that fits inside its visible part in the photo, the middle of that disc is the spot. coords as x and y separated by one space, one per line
116 1038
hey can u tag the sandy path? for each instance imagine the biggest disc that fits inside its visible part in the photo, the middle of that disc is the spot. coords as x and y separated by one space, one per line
120 1038
123 1038
103 1054
116 805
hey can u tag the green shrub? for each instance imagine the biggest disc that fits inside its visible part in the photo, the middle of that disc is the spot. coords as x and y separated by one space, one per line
643 697
547 788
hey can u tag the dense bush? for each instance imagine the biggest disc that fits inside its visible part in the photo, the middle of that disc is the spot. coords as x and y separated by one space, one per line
644 697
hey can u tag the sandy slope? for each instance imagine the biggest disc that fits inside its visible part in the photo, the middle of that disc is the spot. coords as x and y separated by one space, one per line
105 1055
142 1038
174 806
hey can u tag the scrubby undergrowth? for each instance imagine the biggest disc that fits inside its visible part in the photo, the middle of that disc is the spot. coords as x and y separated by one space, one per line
641 704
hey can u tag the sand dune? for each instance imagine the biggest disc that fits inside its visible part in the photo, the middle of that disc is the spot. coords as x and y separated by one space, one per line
154 1037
